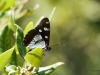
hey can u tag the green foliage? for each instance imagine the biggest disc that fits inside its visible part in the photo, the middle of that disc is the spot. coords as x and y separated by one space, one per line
5 57
5 41
13 59
12 22
19 41
75 23
28 27
9 52
6 4
34 57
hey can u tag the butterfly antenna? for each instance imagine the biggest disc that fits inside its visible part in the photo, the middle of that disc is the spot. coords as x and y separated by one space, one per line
57 45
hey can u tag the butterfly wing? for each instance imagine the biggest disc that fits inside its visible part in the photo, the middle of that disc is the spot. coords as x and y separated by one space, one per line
38 37
44 29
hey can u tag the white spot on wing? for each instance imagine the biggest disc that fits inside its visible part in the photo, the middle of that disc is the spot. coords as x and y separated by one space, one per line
46 36
40 30
46 29
47 22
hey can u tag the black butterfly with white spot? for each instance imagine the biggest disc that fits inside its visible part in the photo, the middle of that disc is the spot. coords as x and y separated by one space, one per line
39 37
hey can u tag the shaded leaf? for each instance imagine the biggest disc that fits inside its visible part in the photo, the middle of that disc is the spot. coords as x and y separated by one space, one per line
5 42
19 41
34 57
5 57
13 59
6 4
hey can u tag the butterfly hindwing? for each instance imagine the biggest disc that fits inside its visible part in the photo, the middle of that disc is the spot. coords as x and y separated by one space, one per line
38 37
29 36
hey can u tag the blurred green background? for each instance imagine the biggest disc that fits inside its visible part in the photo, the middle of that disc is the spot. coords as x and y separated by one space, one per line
75 24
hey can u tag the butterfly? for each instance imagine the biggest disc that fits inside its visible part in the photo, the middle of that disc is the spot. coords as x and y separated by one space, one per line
39 36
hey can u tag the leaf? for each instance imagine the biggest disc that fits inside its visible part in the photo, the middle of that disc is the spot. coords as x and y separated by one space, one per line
13 59
19 41
5 57
48 69
12 21
50 16
6 4
34 57
5 42
39 21
52 13
28 28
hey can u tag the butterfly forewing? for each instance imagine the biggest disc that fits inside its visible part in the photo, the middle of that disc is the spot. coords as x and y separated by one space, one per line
44 29
38 37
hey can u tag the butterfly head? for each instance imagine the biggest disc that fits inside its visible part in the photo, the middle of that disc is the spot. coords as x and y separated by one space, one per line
47 49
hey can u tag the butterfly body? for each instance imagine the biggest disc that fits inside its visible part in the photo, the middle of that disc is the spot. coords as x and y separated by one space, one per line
39 37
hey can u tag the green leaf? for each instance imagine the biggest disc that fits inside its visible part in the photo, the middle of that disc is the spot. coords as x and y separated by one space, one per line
6 4
5 57
48 69
12 22
13 59
28 28
34 57
52 13
39 20
50 16
5 42
19 41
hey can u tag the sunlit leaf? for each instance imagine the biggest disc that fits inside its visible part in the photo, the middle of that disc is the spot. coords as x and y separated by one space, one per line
39 21
5 42
19 41
34 57
28 28
50 16
52 13
6 4
5 57
49 69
